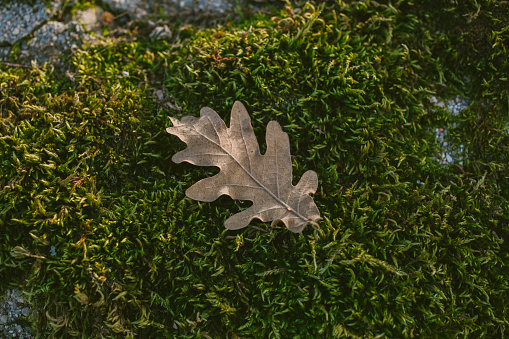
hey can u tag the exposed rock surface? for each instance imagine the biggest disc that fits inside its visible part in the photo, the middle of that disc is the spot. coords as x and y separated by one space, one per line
449 153
44 34
52 39
13 313
135 8
32 25
140 9
19 19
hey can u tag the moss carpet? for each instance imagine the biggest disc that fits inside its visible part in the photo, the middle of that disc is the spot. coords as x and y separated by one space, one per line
93 213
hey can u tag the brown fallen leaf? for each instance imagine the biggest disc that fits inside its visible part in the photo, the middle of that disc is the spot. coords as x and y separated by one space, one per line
246 174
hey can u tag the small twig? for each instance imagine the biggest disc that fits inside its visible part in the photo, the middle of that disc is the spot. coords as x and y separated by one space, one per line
15 65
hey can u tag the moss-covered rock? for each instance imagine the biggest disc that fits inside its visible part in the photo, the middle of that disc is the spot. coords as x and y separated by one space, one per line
94 211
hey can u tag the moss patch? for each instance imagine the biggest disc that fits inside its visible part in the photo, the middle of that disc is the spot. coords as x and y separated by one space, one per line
94 211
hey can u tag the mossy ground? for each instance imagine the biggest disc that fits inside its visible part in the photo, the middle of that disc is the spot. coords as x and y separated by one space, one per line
93 211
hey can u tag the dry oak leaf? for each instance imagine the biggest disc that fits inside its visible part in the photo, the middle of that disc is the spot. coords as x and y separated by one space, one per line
246 174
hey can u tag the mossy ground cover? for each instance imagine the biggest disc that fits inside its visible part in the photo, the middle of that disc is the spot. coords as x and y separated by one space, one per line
93 212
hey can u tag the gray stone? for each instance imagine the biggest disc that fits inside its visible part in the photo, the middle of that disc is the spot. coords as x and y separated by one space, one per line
449 154
141 9
13 311
25 311
3 319
52 39
18 19
91 19
210 6
135 8
5 52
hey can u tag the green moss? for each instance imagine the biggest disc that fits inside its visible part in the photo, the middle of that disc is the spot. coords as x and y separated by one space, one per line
408 246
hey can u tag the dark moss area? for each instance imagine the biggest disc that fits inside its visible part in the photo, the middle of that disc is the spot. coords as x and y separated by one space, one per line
93 210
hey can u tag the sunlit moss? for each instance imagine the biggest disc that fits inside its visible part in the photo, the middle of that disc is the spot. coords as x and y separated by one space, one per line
408 246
